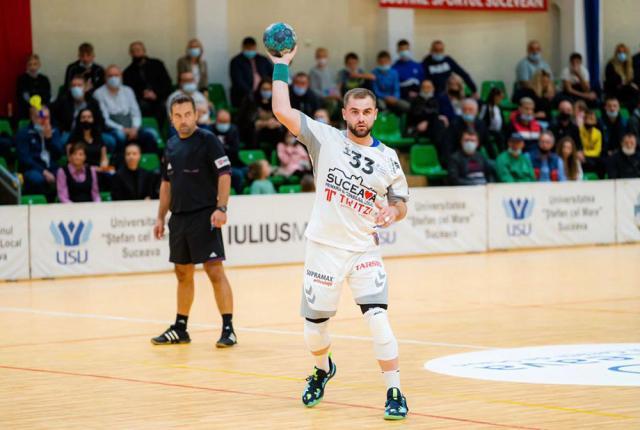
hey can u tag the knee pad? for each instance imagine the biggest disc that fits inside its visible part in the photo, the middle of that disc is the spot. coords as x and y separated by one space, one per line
316 335
385 345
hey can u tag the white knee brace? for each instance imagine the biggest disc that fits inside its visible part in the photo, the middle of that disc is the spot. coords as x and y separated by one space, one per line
385 345
316 335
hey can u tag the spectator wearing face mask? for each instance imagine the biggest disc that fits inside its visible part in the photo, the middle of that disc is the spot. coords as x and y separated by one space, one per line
89 132
256 120
39 147
93 73
469 121
568 153
491 115
612 125
227 133
450 101
467 166
528 66
438 68
293 157
512 165
32 83
525 124
247 70
576 81
564 126
149 80
77 181
625 161
302 98
619 78
386 86
424 119
547 165
187 85
353 76
195 63
131 182
322 79
591 139
322 115
410 72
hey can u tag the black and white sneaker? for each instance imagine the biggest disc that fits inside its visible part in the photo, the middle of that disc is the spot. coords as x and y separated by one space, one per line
227 338
172 336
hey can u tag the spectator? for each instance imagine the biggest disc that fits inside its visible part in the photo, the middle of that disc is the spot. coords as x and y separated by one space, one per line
307 184
592 145
527 67
612 125
438 68
122 113
247 70
467 166
547 165
563 126
322 79
194 62
85 66
38 148
580 110
469 121
149 80
293 157
625 161
229 136
568 153
618 81
131 182
424 119
524 123
512 165
634 121
352 76
544 93
450 101
259 172
410 72
187 86
322 115
301 97
88 131
576 81
256 119
492 117
386 86
32 83
77 181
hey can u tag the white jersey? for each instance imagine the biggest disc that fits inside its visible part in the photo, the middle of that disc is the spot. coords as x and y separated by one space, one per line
349 178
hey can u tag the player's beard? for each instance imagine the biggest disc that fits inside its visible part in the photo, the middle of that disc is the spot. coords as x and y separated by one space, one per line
359 133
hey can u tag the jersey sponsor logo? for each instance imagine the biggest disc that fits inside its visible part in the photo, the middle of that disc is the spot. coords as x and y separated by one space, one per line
265 233
349 191
223 162
368 264
320 278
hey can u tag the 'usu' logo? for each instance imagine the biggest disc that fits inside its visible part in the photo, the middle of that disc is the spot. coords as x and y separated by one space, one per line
518 210
636 212
71 236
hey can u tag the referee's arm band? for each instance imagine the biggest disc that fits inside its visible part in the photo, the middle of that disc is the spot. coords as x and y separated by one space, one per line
281 73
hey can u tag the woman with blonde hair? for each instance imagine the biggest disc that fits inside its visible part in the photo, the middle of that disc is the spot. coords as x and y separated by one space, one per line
544 94
194 62
618 81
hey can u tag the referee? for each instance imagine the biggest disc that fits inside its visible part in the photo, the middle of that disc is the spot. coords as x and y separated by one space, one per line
196 179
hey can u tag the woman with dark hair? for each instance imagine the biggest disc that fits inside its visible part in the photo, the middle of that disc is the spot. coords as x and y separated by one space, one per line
568 153
491 115
88 131
77 181
618 81
256 119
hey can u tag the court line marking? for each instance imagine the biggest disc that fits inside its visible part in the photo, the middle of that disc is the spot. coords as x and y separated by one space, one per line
247 393
214 326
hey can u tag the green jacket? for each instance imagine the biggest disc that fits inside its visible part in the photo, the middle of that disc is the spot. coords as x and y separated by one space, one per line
512 169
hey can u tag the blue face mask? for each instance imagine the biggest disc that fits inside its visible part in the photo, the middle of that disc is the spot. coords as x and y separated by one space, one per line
194 52
189 87
469 146
265 94
249 54
299 91
622 57
438 57
223 128
39 128
515 152
468 117
406 54
613 114
114 81
526 118
535 57
385 67
77 93
321 119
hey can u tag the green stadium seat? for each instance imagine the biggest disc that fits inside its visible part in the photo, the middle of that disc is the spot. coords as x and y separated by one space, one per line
293 180
248 156
5 127
277 180
232 192
424 161
289 189
488 85
591 176
218 96
274 159
387 130
3 163
33 199
105 196
624 113
246 191
23 123
151 122
150 161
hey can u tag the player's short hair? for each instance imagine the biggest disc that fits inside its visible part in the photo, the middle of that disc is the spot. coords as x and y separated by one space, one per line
181 99
85 48
359 93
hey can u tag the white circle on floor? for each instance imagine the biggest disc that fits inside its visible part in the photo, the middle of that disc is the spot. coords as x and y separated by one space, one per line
613 364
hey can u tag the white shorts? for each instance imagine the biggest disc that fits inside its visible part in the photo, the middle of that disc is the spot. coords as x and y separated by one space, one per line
327 267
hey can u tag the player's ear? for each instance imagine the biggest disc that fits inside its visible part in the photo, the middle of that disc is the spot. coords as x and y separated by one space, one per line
344 114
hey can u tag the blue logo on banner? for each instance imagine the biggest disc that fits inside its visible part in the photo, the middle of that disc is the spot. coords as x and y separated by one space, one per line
71 235
636 212
518 209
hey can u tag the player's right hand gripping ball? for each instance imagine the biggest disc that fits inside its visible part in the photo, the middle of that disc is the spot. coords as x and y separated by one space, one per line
279 38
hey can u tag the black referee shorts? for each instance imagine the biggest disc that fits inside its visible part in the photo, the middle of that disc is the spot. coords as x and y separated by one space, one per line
192 238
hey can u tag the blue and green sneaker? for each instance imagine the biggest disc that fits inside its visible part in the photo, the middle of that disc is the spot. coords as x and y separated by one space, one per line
314 391
396 406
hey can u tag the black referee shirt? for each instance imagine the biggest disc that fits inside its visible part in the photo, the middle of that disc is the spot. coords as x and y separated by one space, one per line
192 166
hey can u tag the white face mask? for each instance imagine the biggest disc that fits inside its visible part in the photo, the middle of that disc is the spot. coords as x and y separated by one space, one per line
322 61
628 151
469 146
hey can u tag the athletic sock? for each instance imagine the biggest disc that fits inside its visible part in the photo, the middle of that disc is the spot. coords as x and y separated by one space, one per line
181 322
227 325
392 378
322 361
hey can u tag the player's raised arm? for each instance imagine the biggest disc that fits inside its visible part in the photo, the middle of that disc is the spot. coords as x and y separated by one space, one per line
281 104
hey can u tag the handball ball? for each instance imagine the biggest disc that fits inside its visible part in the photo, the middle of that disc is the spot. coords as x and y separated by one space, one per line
279 39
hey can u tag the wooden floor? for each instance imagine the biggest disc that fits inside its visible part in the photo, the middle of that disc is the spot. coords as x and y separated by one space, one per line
75 353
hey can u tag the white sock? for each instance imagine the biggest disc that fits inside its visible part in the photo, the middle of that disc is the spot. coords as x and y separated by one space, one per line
392 378
322 361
